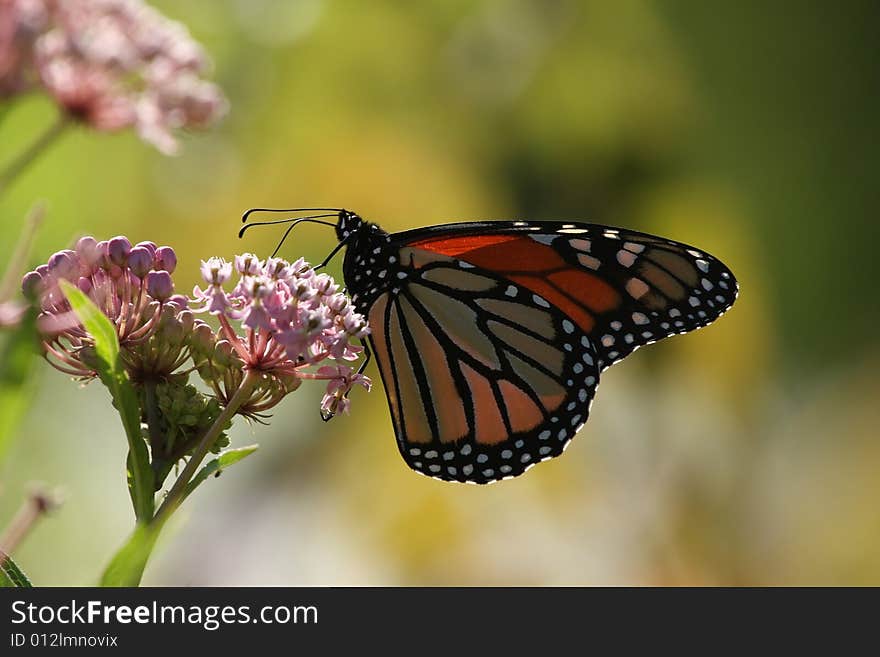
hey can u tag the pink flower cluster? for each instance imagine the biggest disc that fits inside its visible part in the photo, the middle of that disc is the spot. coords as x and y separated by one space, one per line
112 64
130 284
282 321
291 319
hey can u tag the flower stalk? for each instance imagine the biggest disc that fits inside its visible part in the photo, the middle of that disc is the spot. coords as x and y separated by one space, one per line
39 503
25 159
179 489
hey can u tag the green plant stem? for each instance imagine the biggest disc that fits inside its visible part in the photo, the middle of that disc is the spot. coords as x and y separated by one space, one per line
16 265
127 566
157 440
113 376
178 490
20 163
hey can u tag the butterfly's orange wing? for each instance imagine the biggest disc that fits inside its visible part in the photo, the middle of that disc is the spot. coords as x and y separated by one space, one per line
490 337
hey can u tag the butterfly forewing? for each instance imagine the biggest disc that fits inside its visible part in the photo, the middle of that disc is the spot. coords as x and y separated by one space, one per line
626 289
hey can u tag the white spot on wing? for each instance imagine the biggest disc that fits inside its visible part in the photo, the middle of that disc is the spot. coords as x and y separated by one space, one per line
589 261
626 258
541 301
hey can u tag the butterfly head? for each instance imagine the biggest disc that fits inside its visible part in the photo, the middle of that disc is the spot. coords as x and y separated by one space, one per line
347 224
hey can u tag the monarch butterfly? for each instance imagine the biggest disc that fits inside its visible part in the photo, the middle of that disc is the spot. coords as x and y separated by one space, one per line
491 336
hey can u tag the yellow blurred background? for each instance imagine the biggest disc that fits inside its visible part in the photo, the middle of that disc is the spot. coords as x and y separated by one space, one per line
746 453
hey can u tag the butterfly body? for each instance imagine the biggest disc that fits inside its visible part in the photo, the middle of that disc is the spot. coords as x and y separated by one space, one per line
491 336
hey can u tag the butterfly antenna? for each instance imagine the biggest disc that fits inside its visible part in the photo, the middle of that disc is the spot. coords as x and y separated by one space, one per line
248 213
308 220
293 221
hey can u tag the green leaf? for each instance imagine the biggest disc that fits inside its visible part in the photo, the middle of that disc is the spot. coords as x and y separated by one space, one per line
113 375
11 575
17 358
217 465
127 566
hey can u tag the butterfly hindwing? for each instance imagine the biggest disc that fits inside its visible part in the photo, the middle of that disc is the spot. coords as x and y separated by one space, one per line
482 380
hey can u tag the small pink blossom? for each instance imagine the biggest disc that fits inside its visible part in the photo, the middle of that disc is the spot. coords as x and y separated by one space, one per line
248 264
216 271
341 379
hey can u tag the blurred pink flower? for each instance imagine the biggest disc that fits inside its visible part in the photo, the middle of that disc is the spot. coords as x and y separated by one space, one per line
112 64
11 313
21 22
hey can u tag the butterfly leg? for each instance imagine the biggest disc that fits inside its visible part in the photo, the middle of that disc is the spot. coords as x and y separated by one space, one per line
330 257
368 355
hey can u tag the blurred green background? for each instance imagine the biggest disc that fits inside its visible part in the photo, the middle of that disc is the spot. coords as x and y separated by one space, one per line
746 453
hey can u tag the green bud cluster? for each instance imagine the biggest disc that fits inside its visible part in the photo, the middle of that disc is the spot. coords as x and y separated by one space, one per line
161 354
177 415
186 414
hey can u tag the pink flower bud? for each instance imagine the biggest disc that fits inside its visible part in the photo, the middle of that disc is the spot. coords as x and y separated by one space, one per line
149 246
118 249
166 259
64 264
87 250
32 284
140 261
159 285
103 248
